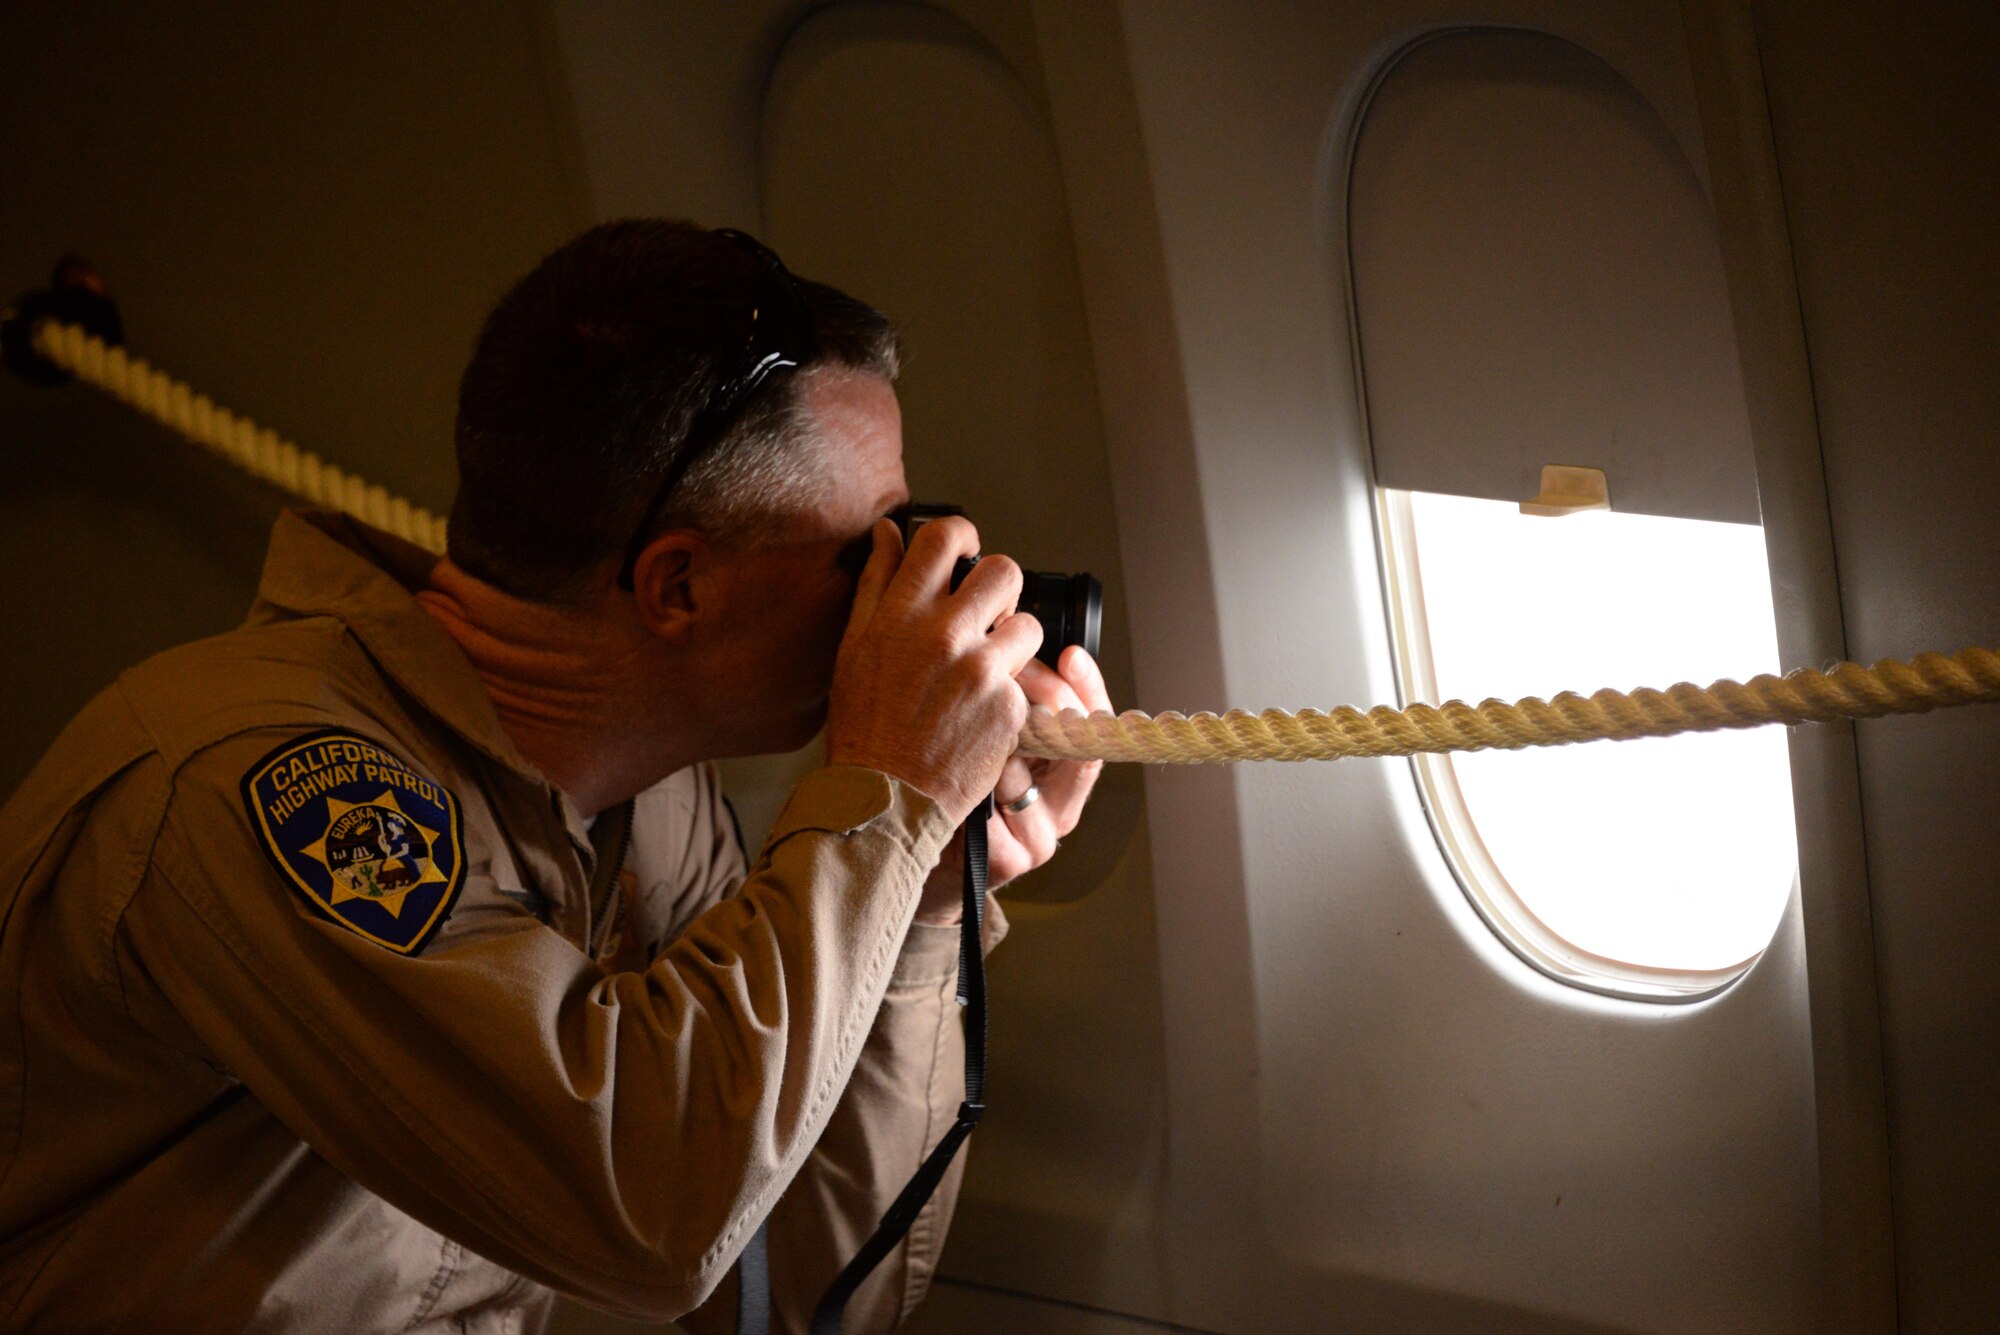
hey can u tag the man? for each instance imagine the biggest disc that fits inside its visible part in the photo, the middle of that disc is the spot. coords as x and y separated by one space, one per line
334 997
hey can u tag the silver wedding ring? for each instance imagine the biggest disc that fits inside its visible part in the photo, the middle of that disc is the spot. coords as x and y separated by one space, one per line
1024 801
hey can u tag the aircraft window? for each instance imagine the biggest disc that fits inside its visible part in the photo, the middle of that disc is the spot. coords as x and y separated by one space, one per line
1656 869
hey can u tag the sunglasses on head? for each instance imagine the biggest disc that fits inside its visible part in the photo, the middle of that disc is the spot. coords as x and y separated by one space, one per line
781 338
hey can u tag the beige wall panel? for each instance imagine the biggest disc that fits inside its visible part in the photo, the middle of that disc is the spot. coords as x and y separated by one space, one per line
1444 1139
306 214
1887 123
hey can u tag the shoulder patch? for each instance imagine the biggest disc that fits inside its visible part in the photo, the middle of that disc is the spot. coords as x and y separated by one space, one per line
368 841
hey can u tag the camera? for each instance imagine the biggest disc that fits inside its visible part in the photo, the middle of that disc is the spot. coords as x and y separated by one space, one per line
1070 607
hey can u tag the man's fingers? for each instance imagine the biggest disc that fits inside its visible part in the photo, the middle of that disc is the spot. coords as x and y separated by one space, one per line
991 590
1066 786
1033 838
925 683
1084 676
883 558
1038 683
1029 837
1043 687
1015 780
1014 641
934 550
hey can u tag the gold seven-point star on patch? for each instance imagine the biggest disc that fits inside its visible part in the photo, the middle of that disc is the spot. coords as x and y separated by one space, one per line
375 851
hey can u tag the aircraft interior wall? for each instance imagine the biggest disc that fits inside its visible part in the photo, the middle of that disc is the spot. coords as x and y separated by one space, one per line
1260 1064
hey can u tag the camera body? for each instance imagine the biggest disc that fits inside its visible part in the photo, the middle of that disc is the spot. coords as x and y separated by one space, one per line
1070 607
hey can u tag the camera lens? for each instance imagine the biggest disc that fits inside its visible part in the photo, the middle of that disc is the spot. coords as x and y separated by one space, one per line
1070 608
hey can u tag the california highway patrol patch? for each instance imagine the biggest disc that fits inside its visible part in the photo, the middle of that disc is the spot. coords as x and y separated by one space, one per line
368 841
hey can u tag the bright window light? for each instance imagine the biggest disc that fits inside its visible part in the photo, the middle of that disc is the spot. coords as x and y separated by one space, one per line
1655 868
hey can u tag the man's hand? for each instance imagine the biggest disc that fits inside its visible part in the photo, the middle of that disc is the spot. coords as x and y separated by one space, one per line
1020 841
924 689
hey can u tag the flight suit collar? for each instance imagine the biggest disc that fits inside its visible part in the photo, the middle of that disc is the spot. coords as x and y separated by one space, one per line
322 563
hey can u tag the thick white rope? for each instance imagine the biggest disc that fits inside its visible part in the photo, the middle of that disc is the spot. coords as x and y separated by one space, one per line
1848 690
258 451
1929 681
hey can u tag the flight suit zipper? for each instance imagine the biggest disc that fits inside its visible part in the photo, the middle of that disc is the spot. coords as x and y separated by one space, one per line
611 838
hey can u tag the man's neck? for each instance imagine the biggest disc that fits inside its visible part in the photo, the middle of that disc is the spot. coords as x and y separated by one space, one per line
566 685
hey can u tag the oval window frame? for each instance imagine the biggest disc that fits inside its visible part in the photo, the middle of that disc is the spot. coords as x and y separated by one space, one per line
1485 886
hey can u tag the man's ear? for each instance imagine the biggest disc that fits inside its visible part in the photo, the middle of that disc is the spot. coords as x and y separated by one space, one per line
663 582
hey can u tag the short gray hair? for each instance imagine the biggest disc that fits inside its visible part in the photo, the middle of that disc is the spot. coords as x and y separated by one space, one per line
585 382
752 483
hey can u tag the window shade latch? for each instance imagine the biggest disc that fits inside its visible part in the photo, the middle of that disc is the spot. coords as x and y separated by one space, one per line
1567 489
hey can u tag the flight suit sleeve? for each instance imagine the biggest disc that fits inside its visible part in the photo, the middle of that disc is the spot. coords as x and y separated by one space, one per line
904 1093
614 1135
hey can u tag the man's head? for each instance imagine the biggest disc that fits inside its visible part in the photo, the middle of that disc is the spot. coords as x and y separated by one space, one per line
583 387
617 368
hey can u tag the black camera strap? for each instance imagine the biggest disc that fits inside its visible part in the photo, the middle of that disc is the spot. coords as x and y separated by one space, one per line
971 995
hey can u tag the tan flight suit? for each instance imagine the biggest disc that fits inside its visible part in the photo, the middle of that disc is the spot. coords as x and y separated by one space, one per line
225 1105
